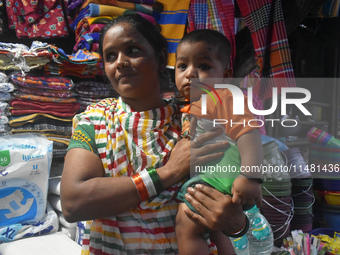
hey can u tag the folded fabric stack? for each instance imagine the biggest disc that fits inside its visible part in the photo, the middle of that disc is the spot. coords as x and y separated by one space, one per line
46 105
37 19
91 92
6 89
82 64
91 16
15 56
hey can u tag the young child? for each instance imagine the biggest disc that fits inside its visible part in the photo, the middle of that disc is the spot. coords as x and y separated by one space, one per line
206 54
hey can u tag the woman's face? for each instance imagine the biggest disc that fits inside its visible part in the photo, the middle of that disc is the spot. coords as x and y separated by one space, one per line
130 64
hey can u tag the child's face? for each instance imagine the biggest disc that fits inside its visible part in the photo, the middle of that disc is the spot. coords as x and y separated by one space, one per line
197 60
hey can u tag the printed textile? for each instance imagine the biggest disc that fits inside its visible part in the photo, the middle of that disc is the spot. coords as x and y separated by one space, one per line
143 8
47 93
265 21
25 104
82 63
216 15
17 121
36 19
38 98
173 21
43 82
135 141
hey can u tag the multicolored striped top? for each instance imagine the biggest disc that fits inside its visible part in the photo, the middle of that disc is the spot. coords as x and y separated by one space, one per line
128 142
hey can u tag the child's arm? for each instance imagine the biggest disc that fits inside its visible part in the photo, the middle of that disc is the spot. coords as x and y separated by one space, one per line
246 190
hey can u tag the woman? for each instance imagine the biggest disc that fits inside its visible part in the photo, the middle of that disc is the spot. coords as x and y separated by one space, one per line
131 138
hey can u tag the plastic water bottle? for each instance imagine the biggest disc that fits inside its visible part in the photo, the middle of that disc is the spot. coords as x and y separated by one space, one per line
260 234
241 245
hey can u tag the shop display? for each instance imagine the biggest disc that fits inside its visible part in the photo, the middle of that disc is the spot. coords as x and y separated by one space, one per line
42 87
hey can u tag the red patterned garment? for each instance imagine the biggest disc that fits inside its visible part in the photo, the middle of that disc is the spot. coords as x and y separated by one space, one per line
36 19
265 20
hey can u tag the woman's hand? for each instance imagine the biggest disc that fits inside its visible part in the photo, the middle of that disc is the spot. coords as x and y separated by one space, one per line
216 211
187 151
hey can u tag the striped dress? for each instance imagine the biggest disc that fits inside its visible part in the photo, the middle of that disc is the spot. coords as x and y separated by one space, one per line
128 142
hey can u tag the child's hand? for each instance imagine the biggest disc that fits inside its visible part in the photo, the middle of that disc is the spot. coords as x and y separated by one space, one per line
246 192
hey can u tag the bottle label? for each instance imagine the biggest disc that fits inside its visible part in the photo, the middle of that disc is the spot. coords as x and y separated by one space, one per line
260 229
241 243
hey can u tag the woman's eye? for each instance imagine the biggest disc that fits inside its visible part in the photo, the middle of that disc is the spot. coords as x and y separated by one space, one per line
134 50
110 57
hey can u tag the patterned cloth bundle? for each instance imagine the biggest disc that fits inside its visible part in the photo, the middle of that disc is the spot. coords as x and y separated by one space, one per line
37 19
92 92
44 104
214 14
90 17
15 56
265 21
82 64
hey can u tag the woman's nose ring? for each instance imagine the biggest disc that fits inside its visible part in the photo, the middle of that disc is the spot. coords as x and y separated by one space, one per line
125 64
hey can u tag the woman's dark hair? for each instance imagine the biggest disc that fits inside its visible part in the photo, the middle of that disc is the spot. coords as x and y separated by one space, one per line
146 28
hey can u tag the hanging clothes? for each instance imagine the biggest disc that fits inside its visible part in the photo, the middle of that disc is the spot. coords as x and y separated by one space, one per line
173 21
214 14
265 21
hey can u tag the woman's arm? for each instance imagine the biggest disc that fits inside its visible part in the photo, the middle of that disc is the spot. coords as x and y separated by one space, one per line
87 194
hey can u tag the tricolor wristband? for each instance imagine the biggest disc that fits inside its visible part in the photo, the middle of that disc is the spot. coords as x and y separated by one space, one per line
147 183
156 180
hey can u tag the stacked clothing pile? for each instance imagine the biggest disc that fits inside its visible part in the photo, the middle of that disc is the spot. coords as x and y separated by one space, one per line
91 16
6 89
15 56
91 92
46 105
82 64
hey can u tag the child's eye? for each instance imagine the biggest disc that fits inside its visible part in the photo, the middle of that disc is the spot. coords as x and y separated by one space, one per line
182 67
204 67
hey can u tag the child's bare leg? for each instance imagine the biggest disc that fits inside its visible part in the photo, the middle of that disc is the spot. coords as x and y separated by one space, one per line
223 243
189 234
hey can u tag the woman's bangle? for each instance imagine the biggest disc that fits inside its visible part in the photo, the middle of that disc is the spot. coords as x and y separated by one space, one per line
259 180
147 183
240 232
156 180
